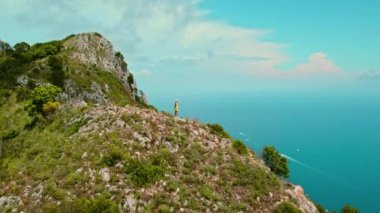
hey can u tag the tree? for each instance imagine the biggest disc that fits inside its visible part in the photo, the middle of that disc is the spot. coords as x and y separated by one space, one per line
277 163
57 74
40 96
20 52
348 209
21 47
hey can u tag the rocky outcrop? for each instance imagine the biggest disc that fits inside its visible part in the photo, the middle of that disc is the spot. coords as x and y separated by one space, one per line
10 202
93 49
303 203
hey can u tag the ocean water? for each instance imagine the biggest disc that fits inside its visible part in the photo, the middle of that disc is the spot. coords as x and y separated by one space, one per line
332 140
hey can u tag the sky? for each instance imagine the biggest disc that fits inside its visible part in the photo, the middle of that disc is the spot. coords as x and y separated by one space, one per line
214 45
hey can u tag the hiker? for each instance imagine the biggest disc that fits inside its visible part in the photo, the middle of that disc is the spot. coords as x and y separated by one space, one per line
176 108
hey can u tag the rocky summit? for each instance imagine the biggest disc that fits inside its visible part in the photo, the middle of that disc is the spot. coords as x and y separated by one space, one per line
77 135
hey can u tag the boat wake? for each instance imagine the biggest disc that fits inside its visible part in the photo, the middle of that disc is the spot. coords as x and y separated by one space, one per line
296 161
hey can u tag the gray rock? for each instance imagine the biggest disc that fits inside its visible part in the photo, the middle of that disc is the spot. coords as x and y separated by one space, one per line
95 50
105 174
130 203
10 202
84 156
304 204
170 147
23 80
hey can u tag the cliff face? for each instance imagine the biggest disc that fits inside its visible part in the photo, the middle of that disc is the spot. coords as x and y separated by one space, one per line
118 155
85 65
93 49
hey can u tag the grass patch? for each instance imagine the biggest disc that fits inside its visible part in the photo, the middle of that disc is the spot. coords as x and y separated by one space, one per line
112 157
217 129
240 147
99 204
286 207
255 179
207 192
143 173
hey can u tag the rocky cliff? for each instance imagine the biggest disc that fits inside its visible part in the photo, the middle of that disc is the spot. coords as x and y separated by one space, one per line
86 66
118 154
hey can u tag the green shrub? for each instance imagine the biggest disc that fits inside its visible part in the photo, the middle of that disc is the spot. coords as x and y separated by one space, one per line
162 158
218 130
193 155
42 50
119 55
69 37
74 127
348 209
74 178
98 34
207 193
178 138
50 189
277 163
240 147
112 157
130 80
163 208
21 47
143 173
320 208
57 73
40 96
286 207
131 119
50 107
23 93
256 179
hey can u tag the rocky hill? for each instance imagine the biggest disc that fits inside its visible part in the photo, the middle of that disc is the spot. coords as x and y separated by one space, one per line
78 136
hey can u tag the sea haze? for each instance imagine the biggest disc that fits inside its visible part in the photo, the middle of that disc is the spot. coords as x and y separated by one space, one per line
332 140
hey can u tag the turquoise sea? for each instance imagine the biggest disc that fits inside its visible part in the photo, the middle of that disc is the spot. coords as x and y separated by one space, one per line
332 140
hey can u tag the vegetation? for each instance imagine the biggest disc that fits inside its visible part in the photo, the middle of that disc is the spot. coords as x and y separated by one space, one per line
144 173
50 107
218 130
255 179
95 158
112 157
286 207
42 50
43 95
57 73
207 193
277 163
348 209
320 208
99 204
240 147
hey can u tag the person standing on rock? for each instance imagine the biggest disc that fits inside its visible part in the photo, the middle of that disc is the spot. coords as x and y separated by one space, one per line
176 108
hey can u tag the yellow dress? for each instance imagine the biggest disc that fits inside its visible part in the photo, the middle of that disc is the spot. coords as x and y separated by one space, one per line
176 107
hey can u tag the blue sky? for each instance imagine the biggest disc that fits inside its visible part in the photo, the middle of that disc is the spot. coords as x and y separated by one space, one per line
215 45
346 30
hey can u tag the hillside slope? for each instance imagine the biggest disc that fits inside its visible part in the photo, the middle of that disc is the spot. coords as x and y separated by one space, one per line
105 150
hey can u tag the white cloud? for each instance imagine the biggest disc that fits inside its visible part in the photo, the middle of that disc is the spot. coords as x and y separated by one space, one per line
165 37
318 64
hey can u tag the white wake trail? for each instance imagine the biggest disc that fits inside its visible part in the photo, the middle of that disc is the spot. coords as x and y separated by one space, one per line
296 161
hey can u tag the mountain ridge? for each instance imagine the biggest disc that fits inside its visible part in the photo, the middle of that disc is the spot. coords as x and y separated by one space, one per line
96 146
